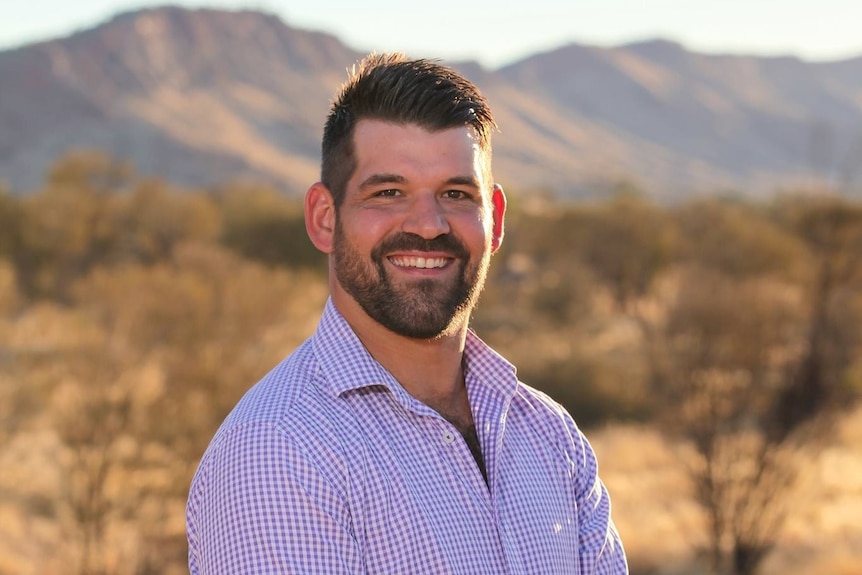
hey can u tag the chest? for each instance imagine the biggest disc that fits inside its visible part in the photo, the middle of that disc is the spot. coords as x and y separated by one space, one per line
419 502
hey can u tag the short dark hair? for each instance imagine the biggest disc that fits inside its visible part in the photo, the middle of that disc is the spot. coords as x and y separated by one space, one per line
392 88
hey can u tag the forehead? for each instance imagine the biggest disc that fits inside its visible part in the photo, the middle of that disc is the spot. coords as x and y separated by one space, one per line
412 151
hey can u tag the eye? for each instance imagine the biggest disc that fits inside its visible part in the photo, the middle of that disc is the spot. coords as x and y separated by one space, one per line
388 193
456 194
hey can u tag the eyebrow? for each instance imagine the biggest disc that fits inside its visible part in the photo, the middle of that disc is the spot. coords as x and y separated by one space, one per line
386 178
377 179
463 181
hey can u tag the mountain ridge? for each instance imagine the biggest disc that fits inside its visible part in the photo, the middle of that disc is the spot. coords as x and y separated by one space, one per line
205 95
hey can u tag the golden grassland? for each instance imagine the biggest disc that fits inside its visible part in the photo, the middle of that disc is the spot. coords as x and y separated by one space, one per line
659 521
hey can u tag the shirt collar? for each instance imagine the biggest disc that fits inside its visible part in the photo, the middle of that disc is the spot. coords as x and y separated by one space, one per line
347 365
487 368
345 362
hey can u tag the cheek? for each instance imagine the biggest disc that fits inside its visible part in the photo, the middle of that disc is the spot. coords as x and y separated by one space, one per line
364 232
476 231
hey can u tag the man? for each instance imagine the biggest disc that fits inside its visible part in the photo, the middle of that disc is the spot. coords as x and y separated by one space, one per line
394 441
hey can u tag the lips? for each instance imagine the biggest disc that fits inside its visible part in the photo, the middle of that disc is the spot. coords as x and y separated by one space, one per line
409 251
418 262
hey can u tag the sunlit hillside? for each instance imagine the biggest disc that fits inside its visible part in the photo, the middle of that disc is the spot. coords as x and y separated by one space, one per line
201 96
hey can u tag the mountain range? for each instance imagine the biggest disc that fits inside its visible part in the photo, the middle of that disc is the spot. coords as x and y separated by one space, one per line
203 96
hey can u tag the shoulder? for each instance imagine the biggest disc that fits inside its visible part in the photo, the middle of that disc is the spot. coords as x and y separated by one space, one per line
277 393
290 413
542 409
547 417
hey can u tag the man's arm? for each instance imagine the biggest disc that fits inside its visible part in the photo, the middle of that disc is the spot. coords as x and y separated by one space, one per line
600 548
258 506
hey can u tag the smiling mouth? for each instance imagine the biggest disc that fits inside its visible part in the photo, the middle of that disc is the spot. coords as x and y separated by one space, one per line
418 262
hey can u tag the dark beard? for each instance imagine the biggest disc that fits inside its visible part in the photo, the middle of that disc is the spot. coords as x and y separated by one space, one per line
421 309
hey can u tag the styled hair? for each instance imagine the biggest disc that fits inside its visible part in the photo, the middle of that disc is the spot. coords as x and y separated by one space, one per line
392 88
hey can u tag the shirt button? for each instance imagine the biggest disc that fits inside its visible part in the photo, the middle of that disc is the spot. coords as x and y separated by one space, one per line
448 437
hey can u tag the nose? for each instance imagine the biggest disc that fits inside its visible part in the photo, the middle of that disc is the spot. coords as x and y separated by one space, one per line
426 218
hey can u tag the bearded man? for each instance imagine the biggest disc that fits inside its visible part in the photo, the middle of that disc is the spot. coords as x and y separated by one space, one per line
394 441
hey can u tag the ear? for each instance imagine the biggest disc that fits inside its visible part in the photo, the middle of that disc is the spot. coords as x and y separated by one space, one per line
498 211
320 216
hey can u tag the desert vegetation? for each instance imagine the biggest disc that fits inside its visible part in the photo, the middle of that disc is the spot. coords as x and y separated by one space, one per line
711 349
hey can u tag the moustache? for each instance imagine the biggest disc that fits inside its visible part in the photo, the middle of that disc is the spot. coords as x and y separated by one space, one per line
446 243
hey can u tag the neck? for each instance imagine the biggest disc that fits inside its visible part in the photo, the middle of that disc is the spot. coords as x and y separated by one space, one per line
428 369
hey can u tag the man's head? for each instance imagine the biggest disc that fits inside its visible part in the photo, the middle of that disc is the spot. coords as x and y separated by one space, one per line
406 208
391 88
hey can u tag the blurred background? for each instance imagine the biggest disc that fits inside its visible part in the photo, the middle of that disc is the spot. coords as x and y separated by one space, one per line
682 266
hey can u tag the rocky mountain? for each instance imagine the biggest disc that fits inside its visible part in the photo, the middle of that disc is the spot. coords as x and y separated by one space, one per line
704 121
202 96
199 96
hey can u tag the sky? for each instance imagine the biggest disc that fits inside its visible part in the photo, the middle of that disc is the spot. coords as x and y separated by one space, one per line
497 32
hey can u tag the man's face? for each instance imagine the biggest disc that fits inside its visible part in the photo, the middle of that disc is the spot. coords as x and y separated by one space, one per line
415 232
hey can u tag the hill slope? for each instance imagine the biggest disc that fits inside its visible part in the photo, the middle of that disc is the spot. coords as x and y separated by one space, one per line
202 96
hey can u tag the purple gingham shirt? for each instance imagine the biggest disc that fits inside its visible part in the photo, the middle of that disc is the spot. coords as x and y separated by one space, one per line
329 466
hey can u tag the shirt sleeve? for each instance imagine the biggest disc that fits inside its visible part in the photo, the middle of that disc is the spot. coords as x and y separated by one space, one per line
258 506
600 547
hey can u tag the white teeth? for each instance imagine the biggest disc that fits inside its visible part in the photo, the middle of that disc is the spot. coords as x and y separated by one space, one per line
418 262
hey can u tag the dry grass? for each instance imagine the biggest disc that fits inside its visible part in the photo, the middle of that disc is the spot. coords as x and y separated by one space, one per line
661 526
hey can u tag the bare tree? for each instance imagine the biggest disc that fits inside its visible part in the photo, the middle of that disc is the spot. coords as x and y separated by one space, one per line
752 369
93 417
